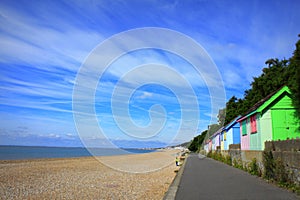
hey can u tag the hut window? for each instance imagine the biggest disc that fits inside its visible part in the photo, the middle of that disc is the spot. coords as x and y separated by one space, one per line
244 128
253 124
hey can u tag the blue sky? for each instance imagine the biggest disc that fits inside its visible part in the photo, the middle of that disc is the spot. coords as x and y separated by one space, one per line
44 44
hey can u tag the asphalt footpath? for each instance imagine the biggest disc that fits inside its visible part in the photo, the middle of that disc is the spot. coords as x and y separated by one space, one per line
204 178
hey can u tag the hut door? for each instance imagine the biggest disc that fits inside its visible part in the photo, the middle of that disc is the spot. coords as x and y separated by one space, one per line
284 124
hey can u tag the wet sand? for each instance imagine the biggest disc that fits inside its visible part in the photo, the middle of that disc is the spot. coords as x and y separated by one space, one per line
89 177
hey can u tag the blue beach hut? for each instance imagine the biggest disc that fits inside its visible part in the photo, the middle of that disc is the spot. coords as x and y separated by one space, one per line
230 134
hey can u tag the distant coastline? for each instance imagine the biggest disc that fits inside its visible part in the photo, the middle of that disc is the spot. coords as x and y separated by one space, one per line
12 152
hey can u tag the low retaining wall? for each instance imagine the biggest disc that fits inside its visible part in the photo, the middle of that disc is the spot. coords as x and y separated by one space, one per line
245 157
285 145
287 151
291 160
286 155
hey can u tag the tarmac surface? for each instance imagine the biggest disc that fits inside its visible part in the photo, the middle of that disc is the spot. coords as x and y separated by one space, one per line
204 178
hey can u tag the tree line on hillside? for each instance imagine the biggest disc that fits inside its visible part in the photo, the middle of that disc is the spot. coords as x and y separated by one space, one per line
277 74
197 141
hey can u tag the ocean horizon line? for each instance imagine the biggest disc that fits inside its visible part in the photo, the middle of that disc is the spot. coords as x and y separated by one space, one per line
142 148
16 152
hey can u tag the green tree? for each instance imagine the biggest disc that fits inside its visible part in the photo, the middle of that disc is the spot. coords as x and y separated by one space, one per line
294 78
221 116
272 78
276 74
232 109
197 142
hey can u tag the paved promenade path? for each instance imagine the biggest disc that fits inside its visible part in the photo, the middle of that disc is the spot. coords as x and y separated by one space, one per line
204 178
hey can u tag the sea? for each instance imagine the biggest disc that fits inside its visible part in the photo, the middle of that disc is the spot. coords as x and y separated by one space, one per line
33 152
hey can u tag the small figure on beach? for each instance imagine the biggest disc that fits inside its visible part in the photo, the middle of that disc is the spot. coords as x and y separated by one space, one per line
177 161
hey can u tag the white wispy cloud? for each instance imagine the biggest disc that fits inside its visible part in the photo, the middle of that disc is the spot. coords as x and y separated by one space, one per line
26 40
145 95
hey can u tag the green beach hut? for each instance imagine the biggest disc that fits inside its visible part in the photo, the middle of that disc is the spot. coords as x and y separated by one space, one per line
272 118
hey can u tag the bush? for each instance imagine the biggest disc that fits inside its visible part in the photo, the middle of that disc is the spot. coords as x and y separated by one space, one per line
269 165
253 168
281 175
238 164
228 160
218 156
275 170
209 154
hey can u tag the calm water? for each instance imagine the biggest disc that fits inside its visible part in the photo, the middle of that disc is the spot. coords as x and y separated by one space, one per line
24 152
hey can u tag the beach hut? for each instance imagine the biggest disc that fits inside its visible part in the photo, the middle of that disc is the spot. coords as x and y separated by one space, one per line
210 145
244 133
207 145
223 140
230 134
213 142
272 118
216 139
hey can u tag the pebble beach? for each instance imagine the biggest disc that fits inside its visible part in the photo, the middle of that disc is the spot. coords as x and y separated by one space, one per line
138 176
